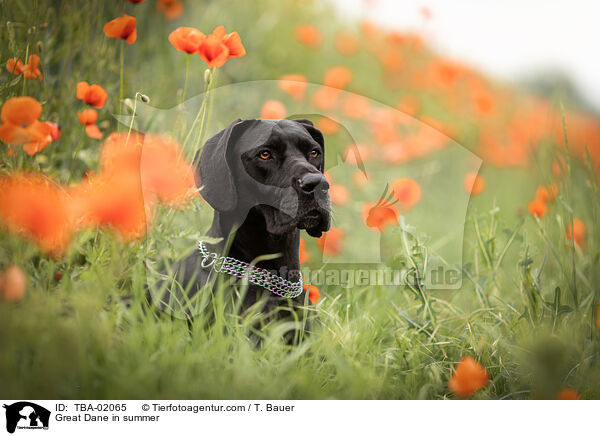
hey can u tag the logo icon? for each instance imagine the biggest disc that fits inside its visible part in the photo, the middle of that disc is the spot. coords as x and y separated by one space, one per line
26 415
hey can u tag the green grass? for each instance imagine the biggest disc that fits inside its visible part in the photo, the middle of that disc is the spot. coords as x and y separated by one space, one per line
526 310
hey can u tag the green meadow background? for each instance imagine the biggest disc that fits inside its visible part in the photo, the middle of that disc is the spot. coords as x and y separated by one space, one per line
527 308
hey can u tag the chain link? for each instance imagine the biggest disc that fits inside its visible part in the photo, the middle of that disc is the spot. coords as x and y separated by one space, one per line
257 276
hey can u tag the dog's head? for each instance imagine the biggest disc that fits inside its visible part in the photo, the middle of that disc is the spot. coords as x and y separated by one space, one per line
274 166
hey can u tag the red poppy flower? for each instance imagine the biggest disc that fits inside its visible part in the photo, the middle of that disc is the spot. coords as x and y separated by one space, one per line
339 194
213 51
407 192
337 77
346 43
308 35
469 376
294 85
187 39
122 27
313 293
93 131
87 117
567 394
166 175
331 242
232 41
13 283
474 183
356 107
272 110
20 122
576 232
31 70
113 200
15 66
380 215
94 95
325 98
327 125
537 207
35 207
303 253
171 9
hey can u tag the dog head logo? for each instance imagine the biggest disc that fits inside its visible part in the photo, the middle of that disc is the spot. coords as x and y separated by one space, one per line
26 415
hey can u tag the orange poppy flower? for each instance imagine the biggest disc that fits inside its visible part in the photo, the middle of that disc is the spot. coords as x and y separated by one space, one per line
339 194
113 200
36 208
474 183
308 35
122 27
337 77
213 51
232 41
546 193
380 215
407 192
331 242
325 98
469 376
93 131
346 43
313 292
303 253
166 175
567 394
157 160
218 47
576 232
53 133
187 39
293 85
272 110
94 95
54 130
20 124
409 104
537 207
356 107
171 9
13 283
15 66
327 125
87 117
31 70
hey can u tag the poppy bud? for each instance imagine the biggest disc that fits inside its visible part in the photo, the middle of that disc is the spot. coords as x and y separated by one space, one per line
207 76
144 98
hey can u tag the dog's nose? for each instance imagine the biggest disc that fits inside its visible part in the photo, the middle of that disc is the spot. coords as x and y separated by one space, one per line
311 181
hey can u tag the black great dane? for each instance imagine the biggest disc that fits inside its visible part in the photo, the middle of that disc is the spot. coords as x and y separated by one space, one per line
264 179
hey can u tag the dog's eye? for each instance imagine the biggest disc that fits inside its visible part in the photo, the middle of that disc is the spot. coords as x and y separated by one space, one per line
315 153
265 155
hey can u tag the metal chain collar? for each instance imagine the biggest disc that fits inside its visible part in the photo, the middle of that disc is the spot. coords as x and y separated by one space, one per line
257 276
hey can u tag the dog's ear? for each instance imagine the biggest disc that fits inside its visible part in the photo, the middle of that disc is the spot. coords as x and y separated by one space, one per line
313 131
214 173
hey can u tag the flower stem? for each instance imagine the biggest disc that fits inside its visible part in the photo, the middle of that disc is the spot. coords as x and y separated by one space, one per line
187 76
121 83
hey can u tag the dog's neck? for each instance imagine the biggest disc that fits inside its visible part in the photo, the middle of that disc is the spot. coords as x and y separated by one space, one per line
251 240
